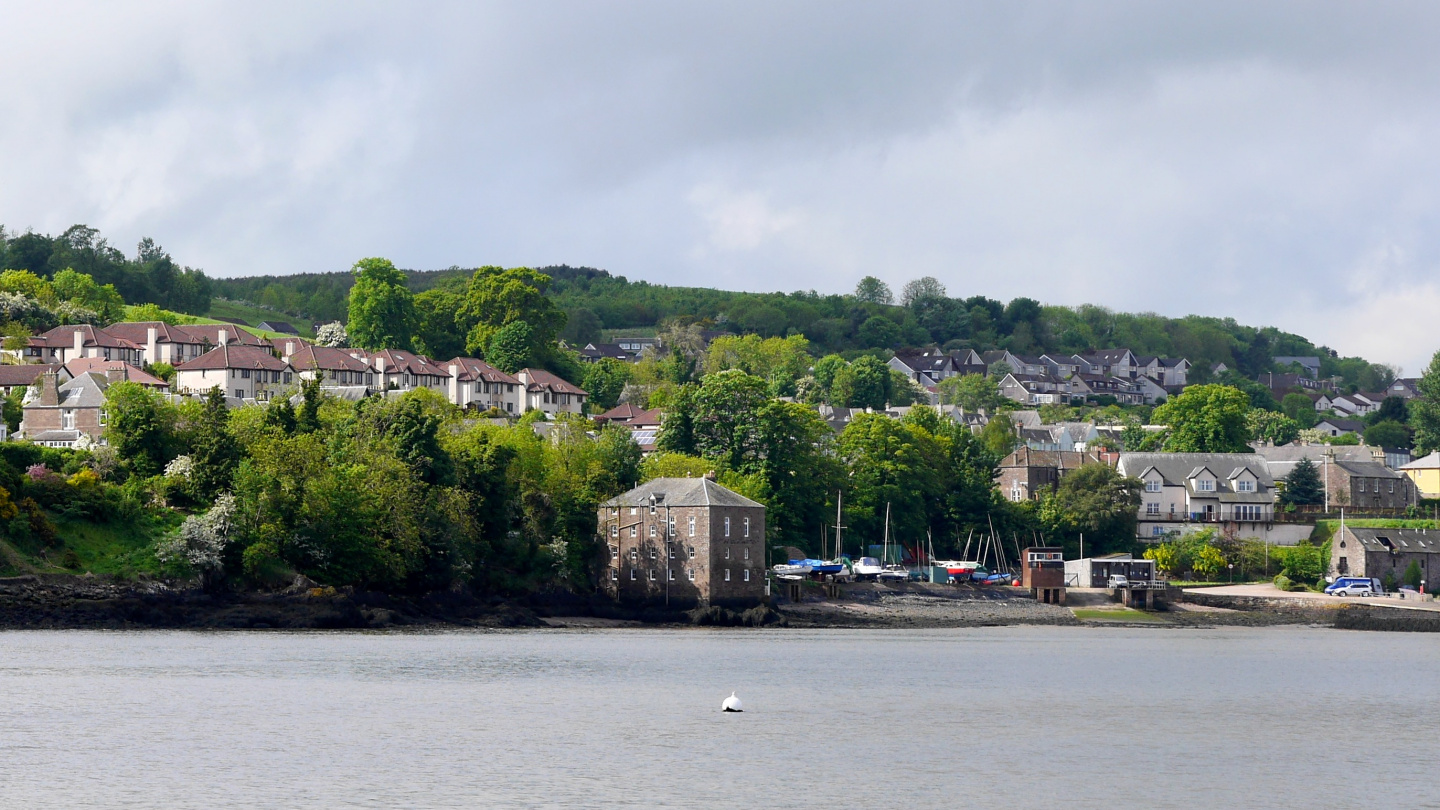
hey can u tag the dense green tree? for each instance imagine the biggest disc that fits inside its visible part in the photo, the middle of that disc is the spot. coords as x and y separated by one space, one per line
1271 427
865 383
582 327
920 291
140 426
889 462
999 437
437 335
497 298
1303 485
872 290
677 433
1425 410
1100 502
382 309
510 347
214 453
1392 409
727 410
1300 408
1388 434
605 380
973 392
879 332
1206 419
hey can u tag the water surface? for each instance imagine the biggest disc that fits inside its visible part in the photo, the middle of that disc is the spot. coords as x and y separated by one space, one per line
989 717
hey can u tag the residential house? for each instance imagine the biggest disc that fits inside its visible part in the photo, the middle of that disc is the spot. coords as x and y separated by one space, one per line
477 384
926 368
397 370
161 342
595 352
1339 427
629 414
1027 474
65 343
1024 366
1367 485
1356 404
1035 389
1282 384
1196 488
238 370
636 346
1425 474
968 361
24 376
683 541
1406 388
283 327
1384 553
115 370
546 392
1125 390
1062 366
62 415
1110 362
1309 365
1167 372
334 368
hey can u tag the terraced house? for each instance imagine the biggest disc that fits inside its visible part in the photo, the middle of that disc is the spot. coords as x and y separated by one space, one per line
1184 491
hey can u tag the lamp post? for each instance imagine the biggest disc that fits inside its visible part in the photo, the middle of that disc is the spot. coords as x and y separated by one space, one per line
1231 566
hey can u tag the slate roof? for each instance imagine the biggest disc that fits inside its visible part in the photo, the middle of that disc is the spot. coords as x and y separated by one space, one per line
1176 468
1405 541
926 362
1368 469
279 326
1350 425
82 365
682 492
235 356
1430 462
84 391
602 350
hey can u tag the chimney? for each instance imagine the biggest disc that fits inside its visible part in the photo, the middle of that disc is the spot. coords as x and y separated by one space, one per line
117 373
50 387
224 337
380 364
79 343
455 385
289 349
151 336
710 475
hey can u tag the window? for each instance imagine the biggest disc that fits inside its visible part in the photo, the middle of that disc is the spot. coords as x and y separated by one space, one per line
727 553
614 552
614 575
1362 484
692 525
1157 531
692 552
287 377
634 532
652 574
652 552
632 574
634 554
690 574
67 420
727 574
747 527
244 373
615 530
652 531
671 573
1204 485
747 554
672 552
747 574
1247 512
1392 484
1152 508
1244 485
652 507
727 526
672 527
239 393
1152 486
632 510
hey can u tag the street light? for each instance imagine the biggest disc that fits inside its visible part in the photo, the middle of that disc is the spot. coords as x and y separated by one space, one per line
1231 566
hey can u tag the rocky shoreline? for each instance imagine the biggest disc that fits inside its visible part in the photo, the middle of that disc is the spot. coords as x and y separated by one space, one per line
86 602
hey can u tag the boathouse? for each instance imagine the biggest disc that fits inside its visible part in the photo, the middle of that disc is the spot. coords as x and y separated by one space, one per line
1043 572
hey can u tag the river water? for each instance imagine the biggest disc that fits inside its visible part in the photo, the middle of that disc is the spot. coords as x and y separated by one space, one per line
990 717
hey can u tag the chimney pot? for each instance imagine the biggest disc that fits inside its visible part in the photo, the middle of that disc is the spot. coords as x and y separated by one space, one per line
224 337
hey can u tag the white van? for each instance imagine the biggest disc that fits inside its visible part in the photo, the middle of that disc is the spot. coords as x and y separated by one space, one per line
1356 586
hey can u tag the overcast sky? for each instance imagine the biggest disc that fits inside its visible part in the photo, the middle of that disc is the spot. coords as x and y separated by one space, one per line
1274 162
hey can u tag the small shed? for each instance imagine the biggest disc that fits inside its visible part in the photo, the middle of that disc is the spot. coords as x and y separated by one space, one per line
1095 572
1043 572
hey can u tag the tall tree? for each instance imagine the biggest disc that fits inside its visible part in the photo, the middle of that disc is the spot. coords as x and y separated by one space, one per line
1425 410
872 290
214 453
1303 485
727 409
1206 419
497 298
382 310
140 426
921 291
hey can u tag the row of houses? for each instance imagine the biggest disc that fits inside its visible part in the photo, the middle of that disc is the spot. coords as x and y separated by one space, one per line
73 363
1053 379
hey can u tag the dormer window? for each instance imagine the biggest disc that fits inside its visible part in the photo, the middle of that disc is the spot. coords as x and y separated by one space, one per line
1153 485
1244 485
1204 485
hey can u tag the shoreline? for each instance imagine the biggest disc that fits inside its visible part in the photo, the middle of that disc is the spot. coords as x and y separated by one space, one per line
83 602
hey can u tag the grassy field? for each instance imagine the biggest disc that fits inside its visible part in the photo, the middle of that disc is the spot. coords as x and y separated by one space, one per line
252 315
1115 614
122 548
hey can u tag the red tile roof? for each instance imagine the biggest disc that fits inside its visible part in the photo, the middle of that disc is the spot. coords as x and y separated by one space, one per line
11 376
326 358
81 365
138 332
472 369
541 379
233 356
65 336
397 360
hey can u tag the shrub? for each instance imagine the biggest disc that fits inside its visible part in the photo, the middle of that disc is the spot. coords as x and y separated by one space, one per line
70 559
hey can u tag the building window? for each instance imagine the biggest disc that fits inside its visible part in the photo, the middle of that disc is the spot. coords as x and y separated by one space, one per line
1392 483
615 530
634 532
1152 508
634 554
1152 486
614 575
632 510
1247 512
244 373
652 574
727 552
692 552
1204 485
746 553
632 574
1157 531
746 527
690 574
727 574
747 574
672 552
614 552
652 552
1244 485
692 525
1362 484
652 531
727 526
670 572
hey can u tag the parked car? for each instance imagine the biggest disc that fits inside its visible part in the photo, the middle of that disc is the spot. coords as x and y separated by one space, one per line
1355 586
1118 581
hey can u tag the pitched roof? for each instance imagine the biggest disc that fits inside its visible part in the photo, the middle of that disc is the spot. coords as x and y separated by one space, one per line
601 350
540 379
682 492
11 376
1368 469
1343 424
1430 462
407 362
326 359
1178 468
926 362
210 333
84 391
82 365
279 326
138 332
233 356
62 336
472 370
630 415
1418 541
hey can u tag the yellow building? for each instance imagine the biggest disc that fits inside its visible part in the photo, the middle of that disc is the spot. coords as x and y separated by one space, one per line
1425 472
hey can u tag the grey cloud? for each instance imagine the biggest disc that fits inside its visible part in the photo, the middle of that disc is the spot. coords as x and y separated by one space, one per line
1266 161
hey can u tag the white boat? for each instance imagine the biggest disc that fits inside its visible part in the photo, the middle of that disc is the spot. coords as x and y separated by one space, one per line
894 573
867 568
791 571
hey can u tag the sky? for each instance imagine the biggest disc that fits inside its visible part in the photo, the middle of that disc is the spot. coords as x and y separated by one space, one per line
1272 162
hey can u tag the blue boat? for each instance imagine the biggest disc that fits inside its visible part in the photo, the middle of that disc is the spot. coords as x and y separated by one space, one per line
821 566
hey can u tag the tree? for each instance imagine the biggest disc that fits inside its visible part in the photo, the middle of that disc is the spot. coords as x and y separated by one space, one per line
1392 409
1271 427
382 310
605 380
677 433
727 410
332 335
582 326
1413 575
214 453
1099 501
1300 408
879 332
139 426
998 436
872 290
973 392
509 347
437 334
1302 485
864 383
1206 419
921 291
1208 561
1387 434
498 297
1425 410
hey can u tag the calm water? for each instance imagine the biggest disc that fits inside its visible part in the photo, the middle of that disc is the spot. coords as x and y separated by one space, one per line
1001 717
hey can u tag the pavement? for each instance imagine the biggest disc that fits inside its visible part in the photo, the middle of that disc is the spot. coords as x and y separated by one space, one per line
1269 591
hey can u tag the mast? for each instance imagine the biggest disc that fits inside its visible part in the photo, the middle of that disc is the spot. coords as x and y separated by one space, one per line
885 547
839 495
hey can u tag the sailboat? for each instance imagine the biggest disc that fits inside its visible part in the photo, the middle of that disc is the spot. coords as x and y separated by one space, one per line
890 573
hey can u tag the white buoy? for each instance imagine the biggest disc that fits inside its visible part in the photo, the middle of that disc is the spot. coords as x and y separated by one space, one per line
731 704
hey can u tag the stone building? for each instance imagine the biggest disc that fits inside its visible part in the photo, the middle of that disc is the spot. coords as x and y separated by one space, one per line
62 413
1026 474
1384 553
683 542
1366 485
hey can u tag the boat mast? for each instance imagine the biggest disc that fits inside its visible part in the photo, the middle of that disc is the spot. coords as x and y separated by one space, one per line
885 547
839 495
